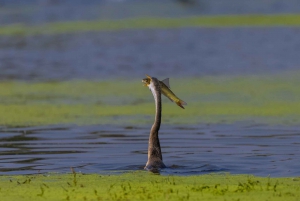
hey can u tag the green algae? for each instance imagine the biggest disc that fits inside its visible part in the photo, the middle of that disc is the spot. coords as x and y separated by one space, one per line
268 99
152 23
146 186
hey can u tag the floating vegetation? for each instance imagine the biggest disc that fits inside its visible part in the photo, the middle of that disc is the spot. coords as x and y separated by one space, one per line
142 185
270 99
150 23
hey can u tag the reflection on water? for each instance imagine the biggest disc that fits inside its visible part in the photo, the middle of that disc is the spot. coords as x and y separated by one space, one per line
258 149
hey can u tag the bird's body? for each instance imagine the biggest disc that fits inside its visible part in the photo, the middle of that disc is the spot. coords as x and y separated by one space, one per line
155 160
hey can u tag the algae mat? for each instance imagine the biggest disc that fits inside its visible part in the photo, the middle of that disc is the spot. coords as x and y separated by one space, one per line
145 186
291 20
222 99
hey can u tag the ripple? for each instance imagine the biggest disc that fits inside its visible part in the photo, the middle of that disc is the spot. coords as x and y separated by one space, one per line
232 148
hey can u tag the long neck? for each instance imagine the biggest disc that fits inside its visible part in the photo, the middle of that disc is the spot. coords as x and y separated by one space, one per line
157 120
154 149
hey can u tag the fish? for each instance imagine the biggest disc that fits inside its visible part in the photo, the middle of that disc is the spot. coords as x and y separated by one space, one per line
166 90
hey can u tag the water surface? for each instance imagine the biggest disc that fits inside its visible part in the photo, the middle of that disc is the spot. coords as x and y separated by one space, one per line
236 148
186 52
46 11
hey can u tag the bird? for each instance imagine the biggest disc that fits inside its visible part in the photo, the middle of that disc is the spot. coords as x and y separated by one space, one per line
155 159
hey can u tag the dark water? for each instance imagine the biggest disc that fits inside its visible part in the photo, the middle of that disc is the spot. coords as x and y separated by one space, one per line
187 150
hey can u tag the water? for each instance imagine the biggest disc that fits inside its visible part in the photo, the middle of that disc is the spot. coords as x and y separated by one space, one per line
34 12
187 150
132 53
162 53
190 52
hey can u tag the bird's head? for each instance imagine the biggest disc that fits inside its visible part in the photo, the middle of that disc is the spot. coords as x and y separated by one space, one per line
147 80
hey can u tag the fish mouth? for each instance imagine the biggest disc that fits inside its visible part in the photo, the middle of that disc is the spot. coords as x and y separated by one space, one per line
145 82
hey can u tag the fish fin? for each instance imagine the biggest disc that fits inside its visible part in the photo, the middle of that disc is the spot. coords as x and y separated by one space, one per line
166 82
180 103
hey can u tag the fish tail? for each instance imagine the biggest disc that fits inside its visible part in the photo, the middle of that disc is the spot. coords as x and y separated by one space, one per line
180 103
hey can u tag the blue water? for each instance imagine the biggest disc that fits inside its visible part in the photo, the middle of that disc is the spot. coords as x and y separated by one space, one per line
132 53
34 12
190 52
239 148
